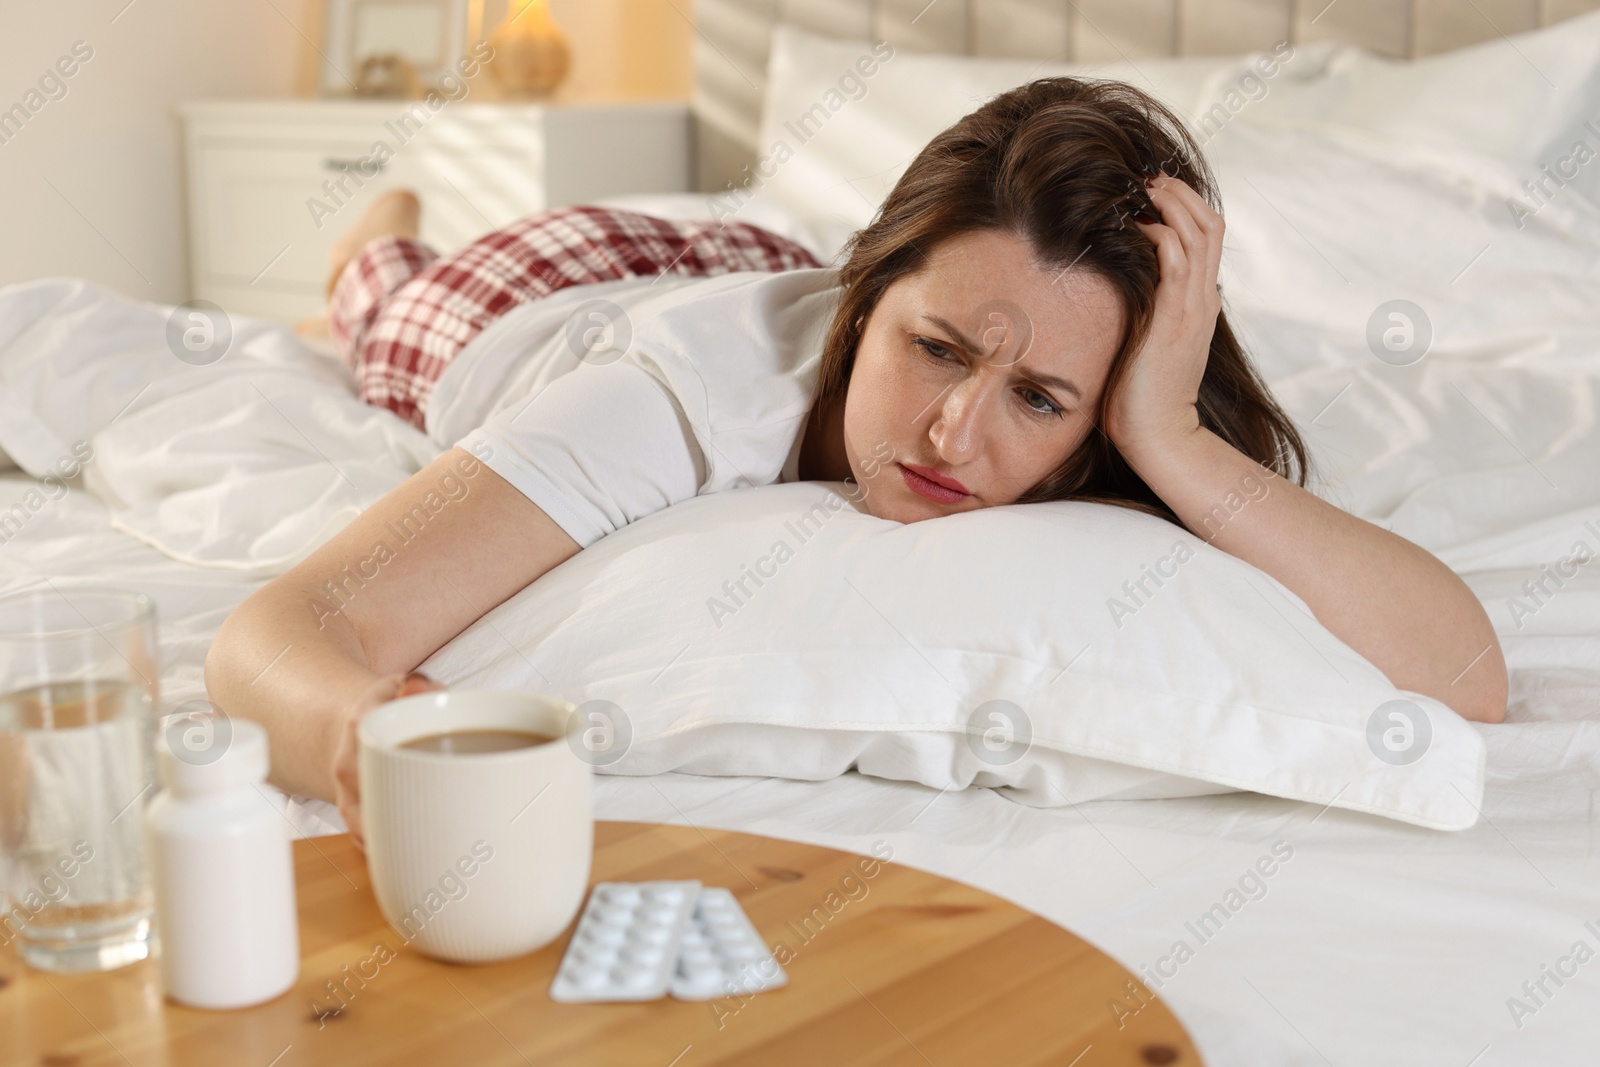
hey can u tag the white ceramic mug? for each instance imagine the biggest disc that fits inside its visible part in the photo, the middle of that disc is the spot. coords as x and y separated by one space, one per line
476 857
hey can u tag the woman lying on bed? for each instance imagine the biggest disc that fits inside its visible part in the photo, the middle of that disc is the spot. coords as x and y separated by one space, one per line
1033 315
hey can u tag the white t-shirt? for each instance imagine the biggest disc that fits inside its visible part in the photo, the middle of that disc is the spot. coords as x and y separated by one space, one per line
710 392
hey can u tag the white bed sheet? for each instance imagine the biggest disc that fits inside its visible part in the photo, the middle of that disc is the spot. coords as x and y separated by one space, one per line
1376 943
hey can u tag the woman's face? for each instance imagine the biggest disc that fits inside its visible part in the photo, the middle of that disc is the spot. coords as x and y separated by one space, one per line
980 368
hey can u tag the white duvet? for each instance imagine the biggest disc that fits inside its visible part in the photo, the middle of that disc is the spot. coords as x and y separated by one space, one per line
246 463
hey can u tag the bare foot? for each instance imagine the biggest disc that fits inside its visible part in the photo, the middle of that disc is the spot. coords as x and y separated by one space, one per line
394 212
317 327
317 336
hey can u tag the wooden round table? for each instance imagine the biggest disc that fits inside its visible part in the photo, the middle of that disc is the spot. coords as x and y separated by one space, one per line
887 965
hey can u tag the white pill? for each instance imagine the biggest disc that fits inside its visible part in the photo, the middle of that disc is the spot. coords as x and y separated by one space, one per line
601 954
643 955
604 935
621 894
589 977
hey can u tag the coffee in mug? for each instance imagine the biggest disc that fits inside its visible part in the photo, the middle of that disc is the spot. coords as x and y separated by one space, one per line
469 742
479 830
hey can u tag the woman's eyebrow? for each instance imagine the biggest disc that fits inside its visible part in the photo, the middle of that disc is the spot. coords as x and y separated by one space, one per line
967 343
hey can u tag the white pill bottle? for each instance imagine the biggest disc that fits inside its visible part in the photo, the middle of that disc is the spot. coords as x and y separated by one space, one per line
221 866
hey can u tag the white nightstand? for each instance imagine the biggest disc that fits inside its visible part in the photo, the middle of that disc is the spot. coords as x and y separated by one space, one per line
272 183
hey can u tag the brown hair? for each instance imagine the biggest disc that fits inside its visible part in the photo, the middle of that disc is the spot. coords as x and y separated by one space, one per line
1060 162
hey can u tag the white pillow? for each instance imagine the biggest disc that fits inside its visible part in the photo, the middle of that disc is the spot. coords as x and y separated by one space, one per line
883 646
1482 119
839 166
1521 102
1324 225
1343 213
1507 346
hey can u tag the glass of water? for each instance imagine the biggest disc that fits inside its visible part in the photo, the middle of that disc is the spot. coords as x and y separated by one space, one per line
78 691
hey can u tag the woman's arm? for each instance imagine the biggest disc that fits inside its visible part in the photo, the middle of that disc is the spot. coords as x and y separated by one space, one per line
1390 600
312 650
1385 597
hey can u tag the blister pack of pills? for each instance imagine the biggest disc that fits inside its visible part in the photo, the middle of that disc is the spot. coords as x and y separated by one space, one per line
721 953
626 944
642 940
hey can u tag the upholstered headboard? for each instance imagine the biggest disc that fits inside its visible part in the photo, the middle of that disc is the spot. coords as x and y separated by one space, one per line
732 38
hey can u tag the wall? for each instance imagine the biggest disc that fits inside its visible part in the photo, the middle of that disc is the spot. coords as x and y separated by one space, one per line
632 49
621 49
92 185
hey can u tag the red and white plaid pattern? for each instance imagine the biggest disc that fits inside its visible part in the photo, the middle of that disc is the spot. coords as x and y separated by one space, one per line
399 313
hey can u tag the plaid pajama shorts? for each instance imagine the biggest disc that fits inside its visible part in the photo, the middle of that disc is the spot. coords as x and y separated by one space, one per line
400 312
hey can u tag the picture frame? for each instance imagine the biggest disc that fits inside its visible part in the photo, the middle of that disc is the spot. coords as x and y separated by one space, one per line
429 34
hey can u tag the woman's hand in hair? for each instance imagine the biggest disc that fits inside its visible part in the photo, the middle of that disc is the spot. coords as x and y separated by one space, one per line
1154 405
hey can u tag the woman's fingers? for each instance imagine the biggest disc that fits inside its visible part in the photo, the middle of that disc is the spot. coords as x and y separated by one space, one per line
347 780
1207 223
346 760
1211 224
1177 241
1170 253
1199 229
417 682
1179 215
347 784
